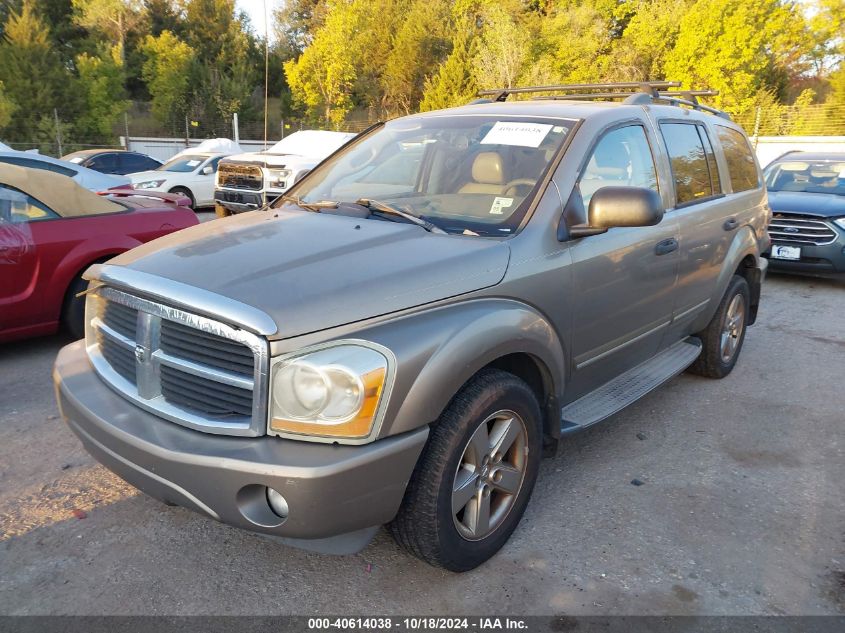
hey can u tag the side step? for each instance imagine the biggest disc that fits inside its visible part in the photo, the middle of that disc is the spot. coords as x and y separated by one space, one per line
629 387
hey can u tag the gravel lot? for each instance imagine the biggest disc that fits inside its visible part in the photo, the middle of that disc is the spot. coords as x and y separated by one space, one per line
742 508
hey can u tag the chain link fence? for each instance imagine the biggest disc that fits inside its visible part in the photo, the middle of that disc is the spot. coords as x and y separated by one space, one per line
801 120
769 120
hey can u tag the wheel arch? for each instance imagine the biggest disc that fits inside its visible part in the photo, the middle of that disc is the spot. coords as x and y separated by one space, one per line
439 351
741 259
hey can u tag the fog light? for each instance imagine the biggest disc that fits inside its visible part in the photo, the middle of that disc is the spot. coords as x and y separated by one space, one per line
277 502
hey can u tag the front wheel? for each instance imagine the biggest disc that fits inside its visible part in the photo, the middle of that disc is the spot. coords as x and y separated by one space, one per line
475 477
184 191
723 337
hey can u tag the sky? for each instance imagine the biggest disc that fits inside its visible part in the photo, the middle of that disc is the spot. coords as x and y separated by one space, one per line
255 10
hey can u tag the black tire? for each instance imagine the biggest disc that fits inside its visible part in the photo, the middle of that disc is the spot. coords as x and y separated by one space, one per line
184 191
426 525
712 362
73 310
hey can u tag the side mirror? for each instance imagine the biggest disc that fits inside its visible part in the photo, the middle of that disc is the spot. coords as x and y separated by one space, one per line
207 170
620 206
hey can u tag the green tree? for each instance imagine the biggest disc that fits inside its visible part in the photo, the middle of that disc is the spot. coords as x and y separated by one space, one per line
454 82
7 108
167 73
114 19
647 39
421 43
737 47
101 86
32 74
322 78
501 50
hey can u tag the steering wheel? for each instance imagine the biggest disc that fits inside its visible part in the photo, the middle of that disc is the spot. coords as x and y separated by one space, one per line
510 188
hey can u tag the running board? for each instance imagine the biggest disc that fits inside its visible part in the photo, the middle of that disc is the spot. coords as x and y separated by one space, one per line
629 387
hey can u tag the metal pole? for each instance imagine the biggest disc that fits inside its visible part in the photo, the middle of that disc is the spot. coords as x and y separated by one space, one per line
126 130
58 131
756 134
282 126
235 132
187 134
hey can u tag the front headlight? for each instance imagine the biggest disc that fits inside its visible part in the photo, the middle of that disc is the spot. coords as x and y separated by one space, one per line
334 392
840 222
277 176
148 184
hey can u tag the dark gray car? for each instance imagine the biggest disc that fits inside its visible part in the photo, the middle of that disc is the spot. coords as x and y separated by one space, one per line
807 195
402 335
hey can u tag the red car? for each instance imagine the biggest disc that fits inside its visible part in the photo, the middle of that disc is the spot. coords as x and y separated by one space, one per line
51 230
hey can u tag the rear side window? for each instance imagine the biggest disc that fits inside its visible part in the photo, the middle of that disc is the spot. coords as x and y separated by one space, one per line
130 163
106 163
693 164
740 159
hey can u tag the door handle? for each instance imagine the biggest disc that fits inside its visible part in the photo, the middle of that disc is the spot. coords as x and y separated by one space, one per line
730 224
666 246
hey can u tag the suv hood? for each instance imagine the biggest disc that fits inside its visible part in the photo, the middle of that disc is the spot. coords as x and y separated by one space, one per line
265 159
825 205
311 271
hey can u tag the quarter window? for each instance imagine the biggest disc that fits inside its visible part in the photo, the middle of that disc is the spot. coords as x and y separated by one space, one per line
693 167
622 158
741 166
18 207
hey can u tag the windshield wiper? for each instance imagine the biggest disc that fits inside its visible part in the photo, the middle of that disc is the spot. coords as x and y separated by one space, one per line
382 207
310 206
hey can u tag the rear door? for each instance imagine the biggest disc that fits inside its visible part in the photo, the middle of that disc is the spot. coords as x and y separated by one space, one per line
703 211
624 278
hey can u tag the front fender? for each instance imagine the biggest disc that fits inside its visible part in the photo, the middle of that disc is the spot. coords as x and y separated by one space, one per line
438 350
744 244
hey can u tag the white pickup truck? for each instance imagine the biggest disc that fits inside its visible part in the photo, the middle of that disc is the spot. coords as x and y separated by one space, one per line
250 181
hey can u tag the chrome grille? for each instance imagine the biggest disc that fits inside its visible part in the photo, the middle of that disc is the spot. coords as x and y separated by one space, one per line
236 176
800 229
183 367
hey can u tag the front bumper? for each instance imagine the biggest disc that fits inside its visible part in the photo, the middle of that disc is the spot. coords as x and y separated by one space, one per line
337 495
822 261
240 201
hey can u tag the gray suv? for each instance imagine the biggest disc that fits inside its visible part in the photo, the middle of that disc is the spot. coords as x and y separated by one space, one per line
401 337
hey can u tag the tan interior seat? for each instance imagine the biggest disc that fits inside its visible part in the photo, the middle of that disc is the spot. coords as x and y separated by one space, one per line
488 175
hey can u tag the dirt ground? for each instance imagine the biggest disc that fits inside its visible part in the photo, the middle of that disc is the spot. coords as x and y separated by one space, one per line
742 510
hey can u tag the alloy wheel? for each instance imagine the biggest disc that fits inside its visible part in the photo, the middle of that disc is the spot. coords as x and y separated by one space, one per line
490 474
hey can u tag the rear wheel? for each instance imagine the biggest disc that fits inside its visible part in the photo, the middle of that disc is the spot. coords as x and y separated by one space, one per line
184 191
475 477
723 337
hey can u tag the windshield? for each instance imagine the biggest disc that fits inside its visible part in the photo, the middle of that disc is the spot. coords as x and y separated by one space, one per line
807 176
471 173
183 164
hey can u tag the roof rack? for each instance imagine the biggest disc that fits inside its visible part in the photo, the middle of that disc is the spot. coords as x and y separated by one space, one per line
633 92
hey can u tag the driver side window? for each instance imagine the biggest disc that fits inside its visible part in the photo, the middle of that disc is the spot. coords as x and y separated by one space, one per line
622 158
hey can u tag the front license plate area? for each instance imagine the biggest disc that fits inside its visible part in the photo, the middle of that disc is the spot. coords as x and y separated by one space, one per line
786 252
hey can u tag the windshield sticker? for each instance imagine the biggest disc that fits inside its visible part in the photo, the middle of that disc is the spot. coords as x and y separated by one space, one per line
193 163
515 133
499 204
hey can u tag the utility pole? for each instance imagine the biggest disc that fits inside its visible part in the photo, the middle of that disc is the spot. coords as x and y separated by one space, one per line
58 131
